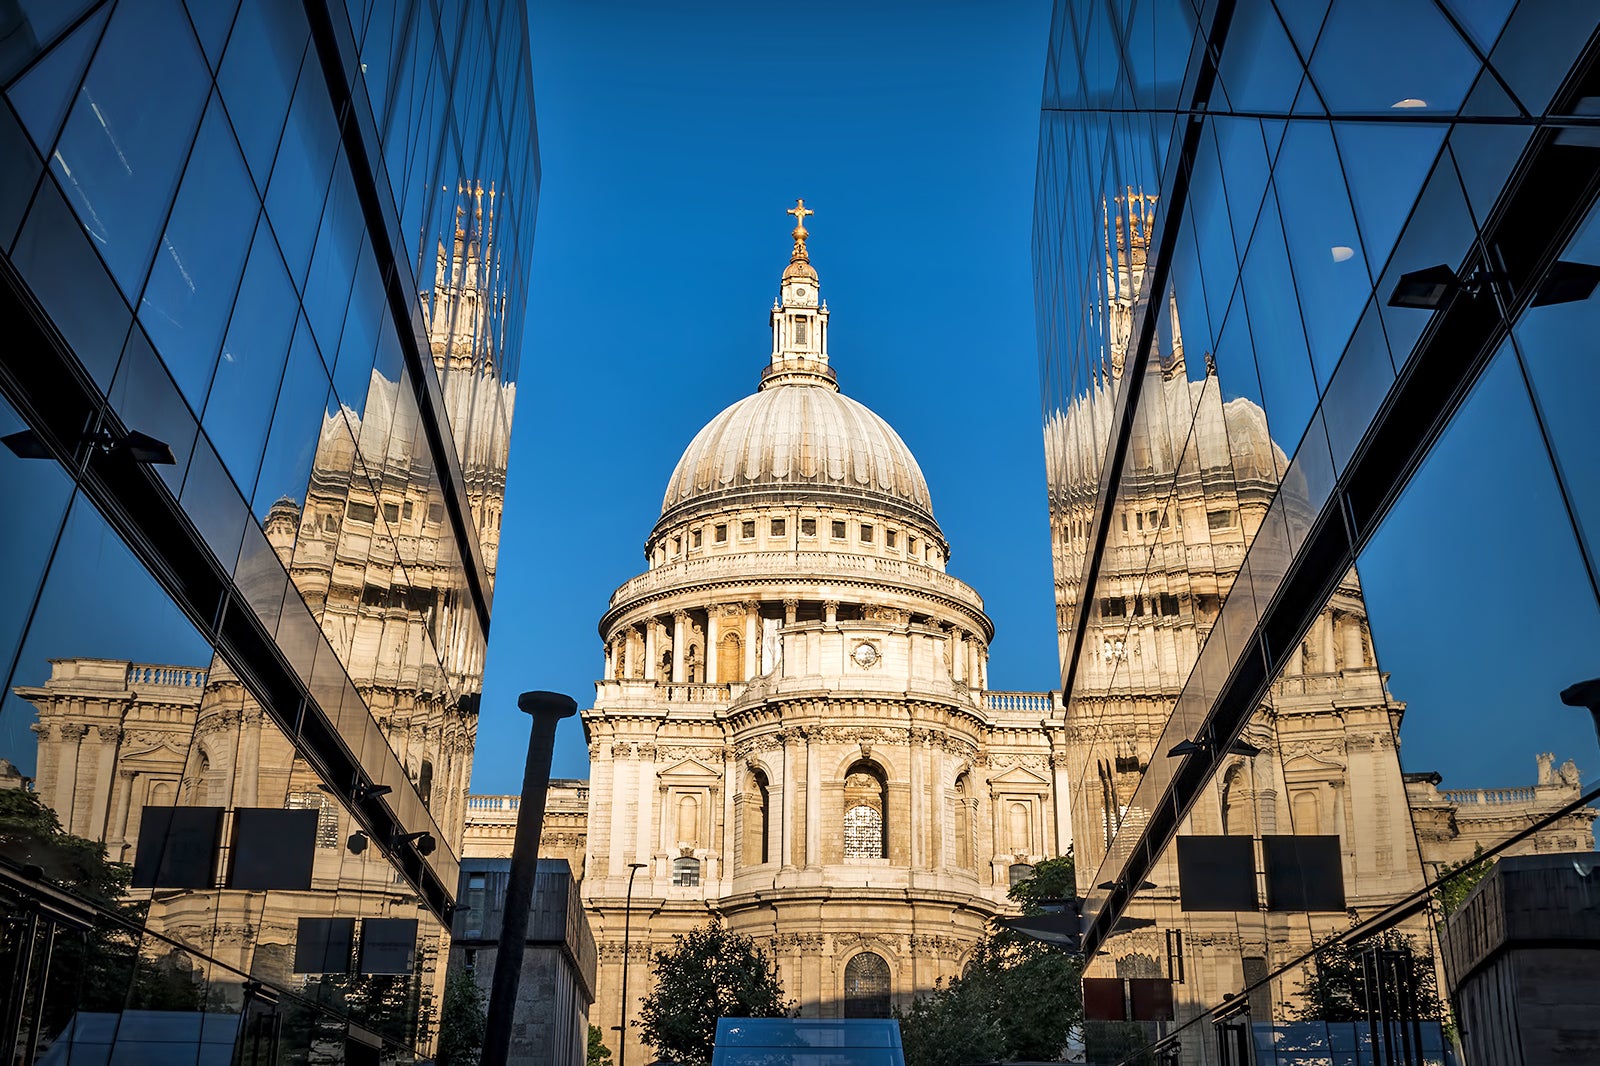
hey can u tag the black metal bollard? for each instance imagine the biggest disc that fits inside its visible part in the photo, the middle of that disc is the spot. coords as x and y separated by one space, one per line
546 709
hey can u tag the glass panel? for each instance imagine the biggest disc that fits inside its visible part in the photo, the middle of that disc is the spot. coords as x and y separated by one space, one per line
297 421
147 400
238 410
56 257
192 283
20 168
300 174
258 74
1478 660
125 141
28 538
211 21
1385 166
1323 245
1367 60
41 96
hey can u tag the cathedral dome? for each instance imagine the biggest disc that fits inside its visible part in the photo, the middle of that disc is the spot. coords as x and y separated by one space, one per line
799 437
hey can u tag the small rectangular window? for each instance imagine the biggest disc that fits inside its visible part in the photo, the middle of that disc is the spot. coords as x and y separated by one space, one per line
866 533
1169 604
391 512
722 533
911 545
747 528
1139 519
838 530
360 512
1219 519
435 513
677 545
406 510
889 536
800 331
1113 607
697 537
1124 523
808 527
779 527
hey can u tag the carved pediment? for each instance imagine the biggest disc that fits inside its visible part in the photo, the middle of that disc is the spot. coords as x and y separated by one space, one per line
1311 764
1019 779
689 772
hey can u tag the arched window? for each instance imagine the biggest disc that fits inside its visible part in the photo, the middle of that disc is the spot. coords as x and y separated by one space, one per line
866 804
1017 827
688 820
686 872
1307 812
757 817
730 659
1020 872
963 824
425 781
1234 812
866 987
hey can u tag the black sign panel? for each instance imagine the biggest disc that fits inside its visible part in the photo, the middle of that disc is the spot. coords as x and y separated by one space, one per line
388 944
1304 873
1217 873
177 847
322 945
273 848
1103 1000
1150 999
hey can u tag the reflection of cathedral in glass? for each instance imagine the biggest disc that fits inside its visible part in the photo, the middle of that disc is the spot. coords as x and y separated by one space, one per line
1202 517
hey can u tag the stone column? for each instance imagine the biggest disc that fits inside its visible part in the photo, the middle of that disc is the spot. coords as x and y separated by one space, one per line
646 766
958 655
110 736
610 671
117 830
752 639
613 770
649 649
713 617
247 774
67 775
972 664
680 635
1059 761
790 606
915 816
831 612
786 802
627 652
813 795
1330 662
1355 648
731 785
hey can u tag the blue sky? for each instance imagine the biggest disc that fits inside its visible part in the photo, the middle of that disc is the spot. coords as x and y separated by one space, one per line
673 137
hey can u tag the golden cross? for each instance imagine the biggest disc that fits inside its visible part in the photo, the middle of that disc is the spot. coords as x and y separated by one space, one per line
800 211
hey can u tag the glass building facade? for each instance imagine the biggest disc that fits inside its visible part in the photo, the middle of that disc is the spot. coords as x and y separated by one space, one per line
1316 352
263 268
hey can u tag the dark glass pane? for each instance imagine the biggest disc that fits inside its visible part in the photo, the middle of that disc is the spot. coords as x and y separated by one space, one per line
1482 19
304 162
272 849
1358 387
1288 387
388 945
323 945
29 536
1260 71
211 21
212 503
147 399
1217 873
192 282
129 132
333 264
178 847
19 175
1367 59
1385 166
42 95
239 407
1478 660
297 421
54 255
1537 48
258 74
1323 245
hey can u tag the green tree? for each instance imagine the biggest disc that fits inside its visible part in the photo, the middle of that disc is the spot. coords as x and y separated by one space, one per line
1335 988
708 973
461 1021
1457 880
599 1054
1016 998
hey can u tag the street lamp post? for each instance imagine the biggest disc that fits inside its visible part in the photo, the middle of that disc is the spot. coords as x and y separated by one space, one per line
546 709
627 920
